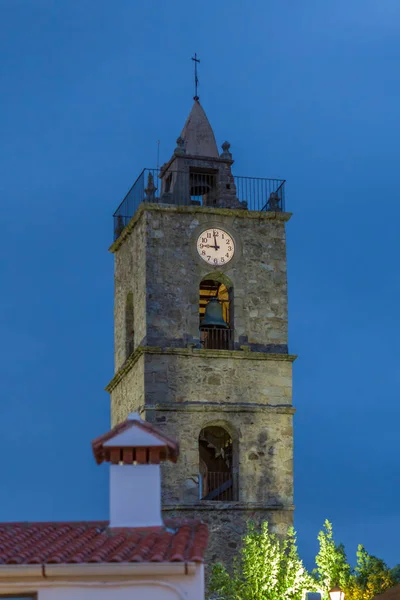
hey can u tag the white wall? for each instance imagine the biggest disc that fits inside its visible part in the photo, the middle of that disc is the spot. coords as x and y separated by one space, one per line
177 587
135 496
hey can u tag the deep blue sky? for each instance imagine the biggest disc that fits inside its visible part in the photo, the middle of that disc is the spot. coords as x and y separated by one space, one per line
308 91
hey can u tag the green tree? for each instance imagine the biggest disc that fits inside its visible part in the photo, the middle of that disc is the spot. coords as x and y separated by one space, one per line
332 566
268 568
395 573
371 576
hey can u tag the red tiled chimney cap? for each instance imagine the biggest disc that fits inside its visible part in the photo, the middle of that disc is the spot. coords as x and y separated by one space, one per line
134 440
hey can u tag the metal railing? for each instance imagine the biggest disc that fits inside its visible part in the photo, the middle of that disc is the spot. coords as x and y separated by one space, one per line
212 338
218 486
187 188
261 194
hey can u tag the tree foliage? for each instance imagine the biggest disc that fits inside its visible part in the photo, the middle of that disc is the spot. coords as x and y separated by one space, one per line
332 566
395 573
268 569
370 577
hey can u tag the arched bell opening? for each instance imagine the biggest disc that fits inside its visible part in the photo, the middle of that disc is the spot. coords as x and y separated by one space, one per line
203 185
217 481
216 314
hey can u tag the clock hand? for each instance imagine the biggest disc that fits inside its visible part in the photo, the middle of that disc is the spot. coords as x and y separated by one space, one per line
215 242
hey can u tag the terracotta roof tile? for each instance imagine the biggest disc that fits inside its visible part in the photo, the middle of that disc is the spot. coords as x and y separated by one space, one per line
96 542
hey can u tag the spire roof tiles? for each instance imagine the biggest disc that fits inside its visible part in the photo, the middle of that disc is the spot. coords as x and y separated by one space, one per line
198 134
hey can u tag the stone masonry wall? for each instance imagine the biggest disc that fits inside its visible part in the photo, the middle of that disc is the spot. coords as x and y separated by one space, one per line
182 388
202 375
130 276
184 391
226 526
128 395
262 444
206 376
174 273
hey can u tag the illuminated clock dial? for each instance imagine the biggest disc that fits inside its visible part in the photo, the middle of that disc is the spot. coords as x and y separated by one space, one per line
215 246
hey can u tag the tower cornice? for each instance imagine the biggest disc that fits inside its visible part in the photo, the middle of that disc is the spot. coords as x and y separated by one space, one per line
237 213
236 407
194 353
233 505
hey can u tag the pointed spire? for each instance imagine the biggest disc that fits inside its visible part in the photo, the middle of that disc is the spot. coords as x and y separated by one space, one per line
198 134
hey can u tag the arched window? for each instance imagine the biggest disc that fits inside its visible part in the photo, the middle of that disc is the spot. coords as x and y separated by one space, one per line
129 326
216 336
217 481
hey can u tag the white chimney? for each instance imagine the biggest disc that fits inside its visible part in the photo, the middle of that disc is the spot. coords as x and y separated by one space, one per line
135 448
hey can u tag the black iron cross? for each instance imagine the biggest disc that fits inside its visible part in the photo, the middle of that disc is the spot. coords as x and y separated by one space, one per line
196 79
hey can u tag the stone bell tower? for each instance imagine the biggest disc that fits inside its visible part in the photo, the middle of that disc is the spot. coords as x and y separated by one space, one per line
201 345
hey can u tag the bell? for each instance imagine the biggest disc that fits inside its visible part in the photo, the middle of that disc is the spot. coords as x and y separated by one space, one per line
199 188
213 315
201 183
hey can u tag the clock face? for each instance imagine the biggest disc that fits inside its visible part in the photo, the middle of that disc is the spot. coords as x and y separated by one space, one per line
215 246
